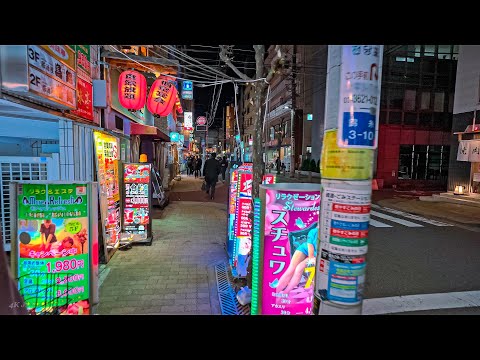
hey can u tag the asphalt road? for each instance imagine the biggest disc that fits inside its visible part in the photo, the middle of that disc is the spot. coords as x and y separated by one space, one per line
404 260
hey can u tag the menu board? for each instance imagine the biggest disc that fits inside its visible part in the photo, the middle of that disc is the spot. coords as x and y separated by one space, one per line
53 242
136 191
106 147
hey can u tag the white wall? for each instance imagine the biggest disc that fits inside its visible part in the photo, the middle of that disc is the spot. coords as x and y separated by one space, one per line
468 79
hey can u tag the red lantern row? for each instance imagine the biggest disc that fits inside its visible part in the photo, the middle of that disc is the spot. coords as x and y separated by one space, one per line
162 98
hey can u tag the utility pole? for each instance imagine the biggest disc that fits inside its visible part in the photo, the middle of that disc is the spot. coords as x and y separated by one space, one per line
292 112
350 137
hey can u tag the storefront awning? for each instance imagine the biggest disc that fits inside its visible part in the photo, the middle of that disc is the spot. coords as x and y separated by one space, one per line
147 130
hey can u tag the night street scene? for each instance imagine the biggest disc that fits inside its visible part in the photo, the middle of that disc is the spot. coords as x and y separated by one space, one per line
240 180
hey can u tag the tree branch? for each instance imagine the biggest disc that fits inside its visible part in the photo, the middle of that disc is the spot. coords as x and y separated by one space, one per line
226 60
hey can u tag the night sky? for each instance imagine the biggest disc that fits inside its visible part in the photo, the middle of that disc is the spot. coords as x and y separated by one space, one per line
243 58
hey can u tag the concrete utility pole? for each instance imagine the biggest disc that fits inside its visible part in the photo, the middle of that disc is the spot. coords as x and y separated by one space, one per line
292 112
350 137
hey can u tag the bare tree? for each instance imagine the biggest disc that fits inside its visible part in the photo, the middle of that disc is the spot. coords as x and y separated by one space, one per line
260 93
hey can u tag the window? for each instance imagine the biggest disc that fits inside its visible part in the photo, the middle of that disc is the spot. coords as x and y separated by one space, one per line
396 98
439 100
410 118
409 100
405 162
444 52
425 120
272 133
455 52
425 100
383 117
429 50
450 102
395 117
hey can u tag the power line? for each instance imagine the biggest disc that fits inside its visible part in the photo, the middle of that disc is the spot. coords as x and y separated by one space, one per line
171 48
207 76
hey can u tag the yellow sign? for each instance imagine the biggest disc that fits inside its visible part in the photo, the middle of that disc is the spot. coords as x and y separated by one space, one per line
62 53
344 164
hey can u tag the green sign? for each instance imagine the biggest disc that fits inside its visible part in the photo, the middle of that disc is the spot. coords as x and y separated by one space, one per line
53 243
84 67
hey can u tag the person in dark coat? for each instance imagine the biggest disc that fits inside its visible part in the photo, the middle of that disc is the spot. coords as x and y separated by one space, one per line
198 166
211 170
224 166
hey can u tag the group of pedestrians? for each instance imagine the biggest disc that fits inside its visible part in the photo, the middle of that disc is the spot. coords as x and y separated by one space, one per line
212 169
194 166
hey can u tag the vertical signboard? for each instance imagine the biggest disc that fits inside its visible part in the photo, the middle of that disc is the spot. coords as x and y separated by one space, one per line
243 224
232 202
344 240
188 120
290 240
187 90
54 247
106 150
359 100
84 69
136 190
84 100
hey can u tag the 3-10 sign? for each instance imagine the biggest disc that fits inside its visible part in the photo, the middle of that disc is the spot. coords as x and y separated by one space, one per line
358 129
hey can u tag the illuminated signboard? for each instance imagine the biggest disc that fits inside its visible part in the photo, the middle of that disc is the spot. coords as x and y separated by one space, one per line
188 120
106 148
174 137
136 190
54 256
289 243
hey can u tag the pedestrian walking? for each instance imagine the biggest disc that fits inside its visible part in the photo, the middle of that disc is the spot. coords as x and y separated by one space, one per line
224 166
211 170
278 163
198 167
190 166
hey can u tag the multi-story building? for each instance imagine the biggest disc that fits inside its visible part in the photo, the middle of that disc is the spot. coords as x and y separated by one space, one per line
301 76
464 169
416 105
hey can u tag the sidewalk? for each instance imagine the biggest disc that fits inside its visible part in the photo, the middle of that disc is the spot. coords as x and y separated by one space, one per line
175 275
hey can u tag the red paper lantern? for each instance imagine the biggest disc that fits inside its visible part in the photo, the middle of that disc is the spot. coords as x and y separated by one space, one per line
178 105
162 96
132 89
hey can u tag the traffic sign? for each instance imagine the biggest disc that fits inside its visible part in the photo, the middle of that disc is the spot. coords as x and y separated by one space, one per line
201 120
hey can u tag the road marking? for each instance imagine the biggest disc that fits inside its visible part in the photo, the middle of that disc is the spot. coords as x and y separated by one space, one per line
411 216
376 223
394 219
396 304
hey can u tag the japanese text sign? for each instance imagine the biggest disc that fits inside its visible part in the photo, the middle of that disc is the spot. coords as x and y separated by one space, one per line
290 242
359 100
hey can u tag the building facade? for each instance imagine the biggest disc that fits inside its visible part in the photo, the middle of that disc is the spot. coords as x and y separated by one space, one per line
464 168
60 113
307 76
416 110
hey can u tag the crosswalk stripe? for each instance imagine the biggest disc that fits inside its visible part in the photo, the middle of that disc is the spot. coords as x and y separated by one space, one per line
411 216
394 219
376 223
